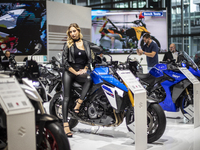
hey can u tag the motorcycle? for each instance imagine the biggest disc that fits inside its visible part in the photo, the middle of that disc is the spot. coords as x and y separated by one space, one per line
129 38
166 84
50 76
107 103
49 133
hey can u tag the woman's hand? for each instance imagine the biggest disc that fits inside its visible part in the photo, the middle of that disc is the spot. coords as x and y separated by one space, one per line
81 71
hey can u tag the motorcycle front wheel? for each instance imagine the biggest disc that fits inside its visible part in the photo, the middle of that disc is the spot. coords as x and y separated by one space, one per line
53 137
186 105
156 122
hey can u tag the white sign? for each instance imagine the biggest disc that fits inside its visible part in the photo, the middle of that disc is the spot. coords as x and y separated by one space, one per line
189 75
132 82
12 95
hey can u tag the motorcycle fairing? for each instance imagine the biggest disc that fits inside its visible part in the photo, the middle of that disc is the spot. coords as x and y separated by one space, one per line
161 66
139 30
110 79
194 72
102 73
168 104
110 93
179 88
156 72
97 72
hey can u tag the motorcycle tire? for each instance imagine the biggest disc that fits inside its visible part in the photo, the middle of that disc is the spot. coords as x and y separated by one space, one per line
156 122
153 39
56 103
185 102
53 137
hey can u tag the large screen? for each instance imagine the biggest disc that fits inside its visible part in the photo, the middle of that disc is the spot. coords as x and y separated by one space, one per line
22 26
119 31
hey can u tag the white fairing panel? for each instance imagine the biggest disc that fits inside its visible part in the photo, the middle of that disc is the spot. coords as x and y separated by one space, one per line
110 94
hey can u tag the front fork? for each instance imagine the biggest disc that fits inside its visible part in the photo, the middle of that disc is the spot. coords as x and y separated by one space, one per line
189 97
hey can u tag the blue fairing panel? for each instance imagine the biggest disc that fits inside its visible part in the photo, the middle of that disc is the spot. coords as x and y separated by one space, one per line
161 66
110 79
194 72
97 72
156 73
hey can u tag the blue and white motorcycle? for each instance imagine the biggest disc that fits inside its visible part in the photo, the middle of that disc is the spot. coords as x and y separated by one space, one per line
166 84
107 103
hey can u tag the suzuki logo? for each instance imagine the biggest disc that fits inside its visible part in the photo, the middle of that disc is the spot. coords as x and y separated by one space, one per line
175 76
21 131
140 105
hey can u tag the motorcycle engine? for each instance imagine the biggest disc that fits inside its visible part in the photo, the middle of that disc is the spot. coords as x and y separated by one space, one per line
95 110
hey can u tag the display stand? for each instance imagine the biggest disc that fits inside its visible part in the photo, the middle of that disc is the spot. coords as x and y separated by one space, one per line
19 114
140 108
196 93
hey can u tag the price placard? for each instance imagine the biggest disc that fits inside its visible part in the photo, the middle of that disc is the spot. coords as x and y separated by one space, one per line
12 96
132 82
189 75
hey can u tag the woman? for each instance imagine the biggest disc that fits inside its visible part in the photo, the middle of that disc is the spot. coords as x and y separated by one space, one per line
76 60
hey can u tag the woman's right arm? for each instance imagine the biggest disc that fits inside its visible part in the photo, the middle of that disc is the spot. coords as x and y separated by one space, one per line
65 60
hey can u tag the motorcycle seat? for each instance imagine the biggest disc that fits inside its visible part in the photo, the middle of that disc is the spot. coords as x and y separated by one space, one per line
143 76
148 78
76 85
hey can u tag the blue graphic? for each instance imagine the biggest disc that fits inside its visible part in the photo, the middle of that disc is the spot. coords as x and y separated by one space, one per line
152 13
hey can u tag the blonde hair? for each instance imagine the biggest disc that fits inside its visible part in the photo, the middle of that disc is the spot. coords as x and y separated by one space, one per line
70 41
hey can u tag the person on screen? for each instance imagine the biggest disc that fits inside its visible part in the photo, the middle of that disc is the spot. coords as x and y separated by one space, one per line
150 49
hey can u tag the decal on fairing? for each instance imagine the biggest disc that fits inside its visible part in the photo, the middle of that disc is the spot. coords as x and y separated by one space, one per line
110 94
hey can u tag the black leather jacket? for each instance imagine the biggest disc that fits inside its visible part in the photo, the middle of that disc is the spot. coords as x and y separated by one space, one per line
68 55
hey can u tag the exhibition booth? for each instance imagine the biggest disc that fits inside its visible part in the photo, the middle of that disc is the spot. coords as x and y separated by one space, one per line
125 108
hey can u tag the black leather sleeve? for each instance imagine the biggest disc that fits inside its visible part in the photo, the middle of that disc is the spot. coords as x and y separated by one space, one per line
65 57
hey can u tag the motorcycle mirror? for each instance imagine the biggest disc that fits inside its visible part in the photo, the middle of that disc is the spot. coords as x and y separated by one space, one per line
37 49
96 49
59 56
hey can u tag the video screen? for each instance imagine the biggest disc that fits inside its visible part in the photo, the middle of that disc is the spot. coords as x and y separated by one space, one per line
22 26
119 31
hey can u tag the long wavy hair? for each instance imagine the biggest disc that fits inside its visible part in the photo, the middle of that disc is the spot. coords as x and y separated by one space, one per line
70 41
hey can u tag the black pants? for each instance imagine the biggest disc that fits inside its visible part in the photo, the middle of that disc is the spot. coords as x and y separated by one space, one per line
68 78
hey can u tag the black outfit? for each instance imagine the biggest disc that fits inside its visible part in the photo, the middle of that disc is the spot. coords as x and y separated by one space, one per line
168 56
77 59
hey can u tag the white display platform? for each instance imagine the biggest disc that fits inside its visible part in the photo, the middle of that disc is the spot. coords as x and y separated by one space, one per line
140 108
20 115
196 94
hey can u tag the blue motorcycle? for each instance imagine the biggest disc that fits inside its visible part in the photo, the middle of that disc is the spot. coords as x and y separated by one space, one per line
166 84
108 102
